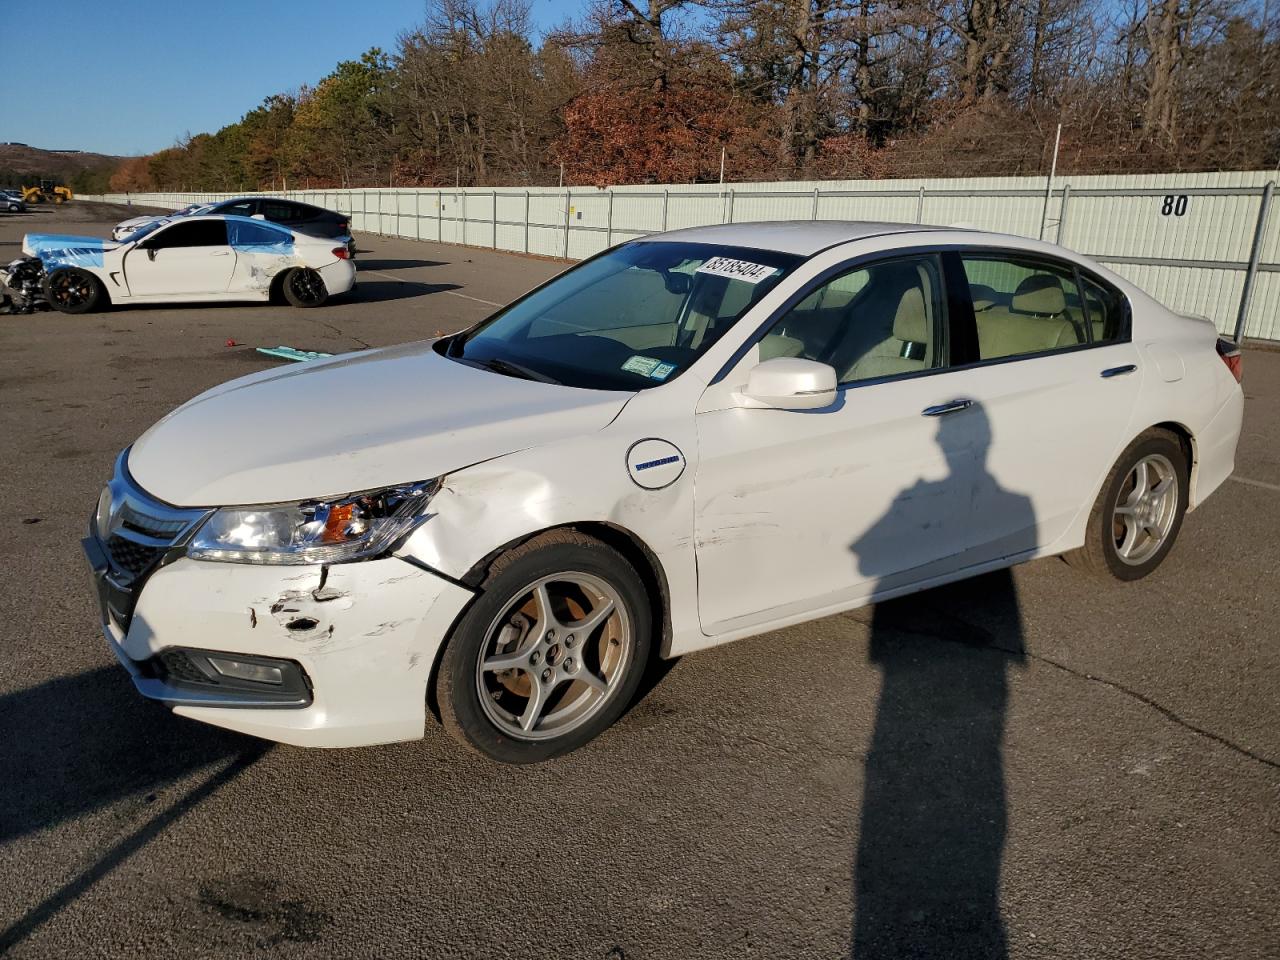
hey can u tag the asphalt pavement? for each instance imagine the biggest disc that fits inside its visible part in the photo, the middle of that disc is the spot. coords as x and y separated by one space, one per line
1035 764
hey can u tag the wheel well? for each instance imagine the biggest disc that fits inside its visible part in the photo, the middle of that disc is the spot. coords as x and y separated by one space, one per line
275 292
631 547
1188 443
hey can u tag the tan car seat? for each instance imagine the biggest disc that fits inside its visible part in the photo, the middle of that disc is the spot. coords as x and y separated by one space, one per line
909 347
1036 320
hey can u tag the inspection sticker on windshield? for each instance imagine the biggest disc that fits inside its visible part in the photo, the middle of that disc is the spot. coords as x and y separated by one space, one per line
737 269
641 365
649 367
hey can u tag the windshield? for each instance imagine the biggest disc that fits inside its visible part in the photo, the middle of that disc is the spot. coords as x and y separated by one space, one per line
635 317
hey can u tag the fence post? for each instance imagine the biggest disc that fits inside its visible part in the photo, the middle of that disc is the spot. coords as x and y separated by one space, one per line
526 221
731 204
495 218
608 223
417 213
1246 293
813 215
666 201
464 218
439 215
920 207
1062 214
566 224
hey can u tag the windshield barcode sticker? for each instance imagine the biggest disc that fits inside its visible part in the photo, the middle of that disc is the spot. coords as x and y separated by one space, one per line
737 269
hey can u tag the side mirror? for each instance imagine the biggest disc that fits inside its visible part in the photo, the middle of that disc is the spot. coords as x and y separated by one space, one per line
151 253
790 383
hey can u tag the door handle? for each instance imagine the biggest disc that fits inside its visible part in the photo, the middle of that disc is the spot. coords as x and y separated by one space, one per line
951 406
1110 372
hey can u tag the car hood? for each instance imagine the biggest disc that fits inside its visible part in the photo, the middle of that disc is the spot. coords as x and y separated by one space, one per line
33 244
350 423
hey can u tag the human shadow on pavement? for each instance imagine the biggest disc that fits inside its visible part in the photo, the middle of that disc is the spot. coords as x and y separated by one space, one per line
934 811
87 742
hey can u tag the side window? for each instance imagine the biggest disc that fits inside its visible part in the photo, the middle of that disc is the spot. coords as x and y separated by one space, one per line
242 209
876 321
278 212
191 233
1023 306
255 234
1108 312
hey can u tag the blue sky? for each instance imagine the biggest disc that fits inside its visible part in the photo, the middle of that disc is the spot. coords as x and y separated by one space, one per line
131 76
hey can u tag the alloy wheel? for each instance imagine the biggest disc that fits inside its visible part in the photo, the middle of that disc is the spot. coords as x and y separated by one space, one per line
1145 509
556 654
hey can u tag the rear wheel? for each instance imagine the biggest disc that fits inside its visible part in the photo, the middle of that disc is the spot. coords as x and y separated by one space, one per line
304 287
549 654
71 290
1139 512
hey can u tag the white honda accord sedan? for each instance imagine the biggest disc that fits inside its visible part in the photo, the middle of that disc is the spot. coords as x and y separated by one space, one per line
688 439
191 259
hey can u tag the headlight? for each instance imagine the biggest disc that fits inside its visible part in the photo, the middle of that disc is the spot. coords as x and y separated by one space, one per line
314 531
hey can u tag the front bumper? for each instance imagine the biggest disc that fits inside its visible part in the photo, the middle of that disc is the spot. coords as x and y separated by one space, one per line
363 635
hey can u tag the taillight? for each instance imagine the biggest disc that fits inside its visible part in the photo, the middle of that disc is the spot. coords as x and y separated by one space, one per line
341 253
1229 351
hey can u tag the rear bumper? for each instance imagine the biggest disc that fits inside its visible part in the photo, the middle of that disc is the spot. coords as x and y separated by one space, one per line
1216 448
339 276
364 636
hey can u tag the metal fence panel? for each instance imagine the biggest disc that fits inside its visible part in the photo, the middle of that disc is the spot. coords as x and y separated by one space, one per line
1190 240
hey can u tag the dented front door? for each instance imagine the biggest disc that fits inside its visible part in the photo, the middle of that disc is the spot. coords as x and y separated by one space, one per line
797 511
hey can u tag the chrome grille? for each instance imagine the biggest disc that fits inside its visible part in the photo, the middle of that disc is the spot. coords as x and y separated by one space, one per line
141 529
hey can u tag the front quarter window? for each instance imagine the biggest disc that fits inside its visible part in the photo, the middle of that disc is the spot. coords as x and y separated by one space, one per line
633 318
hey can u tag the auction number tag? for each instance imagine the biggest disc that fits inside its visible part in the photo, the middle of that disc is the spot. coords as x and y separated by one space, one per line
737 269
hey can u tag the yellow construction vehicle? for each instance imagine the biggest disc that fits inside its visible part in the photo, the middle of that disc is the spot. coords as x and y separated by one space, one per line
47 192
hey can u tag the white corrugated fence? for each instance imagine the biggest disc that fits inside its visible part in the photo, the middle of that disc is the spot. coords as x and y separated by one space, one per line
1201 243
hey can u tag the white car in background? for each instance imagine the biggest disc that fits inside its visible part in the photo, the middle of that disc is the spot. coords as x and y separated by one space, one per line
691 438
194 259
126 228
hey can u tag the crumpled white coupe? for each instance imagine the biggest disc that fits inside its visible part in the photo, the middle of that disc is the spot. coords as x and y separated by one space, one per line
191 259
691 438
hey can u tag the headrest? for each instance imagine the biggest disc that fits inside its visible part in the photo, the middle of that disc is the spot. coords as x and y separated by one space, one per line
1040 294
983 297
911 322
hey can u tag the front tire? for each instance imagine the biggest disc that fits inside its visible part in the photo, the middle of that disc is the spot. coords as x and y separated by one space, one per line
1138 513
304 287
549 654
72 290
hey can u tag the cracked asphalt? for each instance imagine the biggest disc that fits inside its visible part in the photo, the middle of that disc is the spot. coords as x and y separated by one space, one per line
1033 764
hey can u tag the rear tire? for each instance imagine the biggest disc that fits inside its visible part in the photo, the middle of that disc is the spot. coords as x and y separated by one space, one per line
1139 511
71 290
304 287
520 684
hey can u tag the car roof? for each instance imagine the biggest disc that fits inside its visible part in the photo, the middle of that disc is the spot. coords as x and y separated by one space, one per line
233 218
803 237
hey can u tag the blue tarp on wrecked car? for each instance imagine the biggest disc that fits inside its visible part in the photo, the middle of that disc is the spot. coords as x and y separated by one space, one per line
56 250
